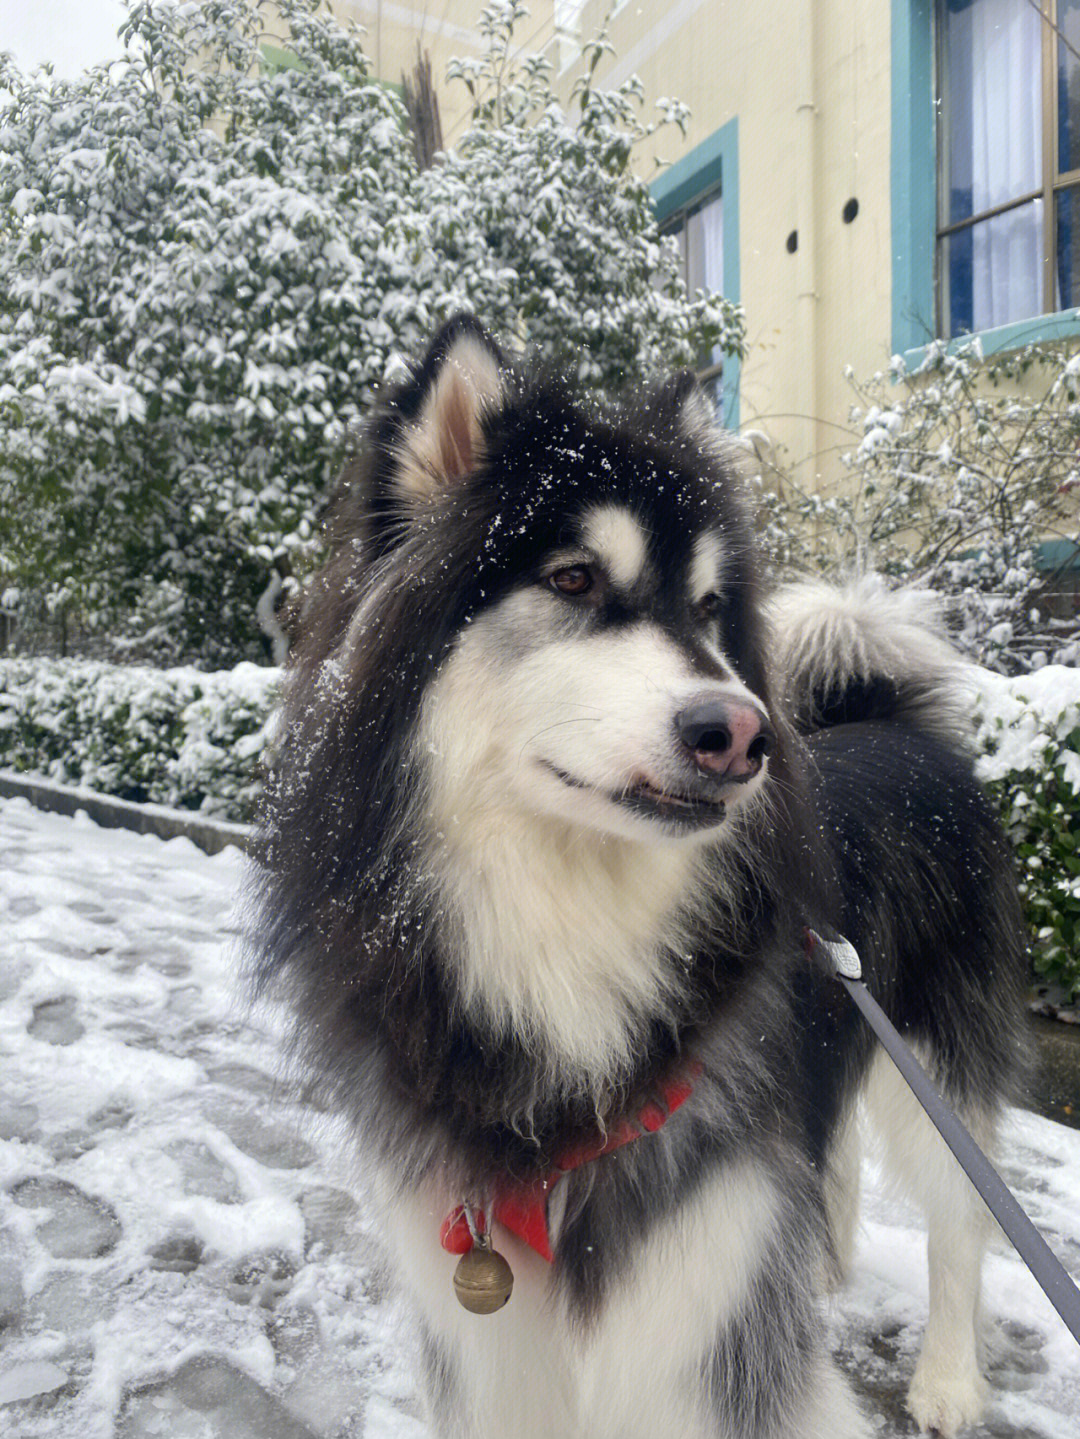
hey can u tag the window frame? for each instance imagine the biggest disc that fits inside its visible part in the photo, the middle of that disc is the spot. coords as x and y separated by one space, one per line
915 188
711 167
668 225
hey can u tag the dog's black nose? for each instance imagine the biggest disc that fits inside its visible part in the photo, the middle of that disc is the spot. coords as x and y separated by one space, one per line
725 736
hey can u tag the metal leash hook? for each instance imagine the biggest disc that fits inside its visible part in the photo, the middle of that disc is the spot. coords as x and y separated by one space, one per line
839 958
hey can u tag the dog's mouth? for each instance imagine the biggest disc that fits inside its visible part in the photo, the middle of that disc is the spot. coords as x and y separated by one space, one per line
685 811
675 809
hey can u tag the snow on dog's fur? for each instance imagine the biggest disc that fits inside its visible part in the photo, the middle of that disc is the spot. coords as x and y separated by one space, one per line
545 832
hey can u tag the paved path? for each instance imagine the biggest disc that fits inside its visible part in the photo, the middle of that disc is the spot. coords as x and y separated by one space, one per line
182 1251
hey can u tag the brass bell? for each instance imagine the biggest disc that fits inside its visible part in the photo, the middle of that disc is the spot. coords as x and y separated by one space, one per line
482 1280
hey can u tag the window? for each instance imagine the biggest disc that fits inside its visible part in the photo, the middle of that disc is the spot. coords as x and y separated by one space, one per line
697 201
699 230
1008 229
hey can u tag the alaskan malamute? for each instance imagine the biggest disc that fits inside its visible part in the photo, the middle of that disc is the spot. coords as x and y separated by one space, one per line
559 794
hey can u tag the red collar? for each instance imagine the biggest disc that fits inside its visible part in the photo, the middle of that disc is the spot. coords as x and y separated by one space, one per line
523 1210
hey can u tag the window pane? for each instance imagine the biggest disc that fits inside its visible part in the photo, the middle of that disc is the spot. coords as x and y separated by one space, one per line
705 262
993 271
705 246
1068 249
680 240
993 104
1068 19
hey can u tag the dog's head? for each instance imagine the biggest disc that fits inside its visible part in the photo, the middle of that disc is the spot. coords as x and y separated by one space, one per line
576 585
529 731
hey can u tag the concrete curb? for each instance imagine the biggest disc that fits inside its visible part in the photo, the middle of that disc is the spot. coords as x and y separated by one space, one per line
209 835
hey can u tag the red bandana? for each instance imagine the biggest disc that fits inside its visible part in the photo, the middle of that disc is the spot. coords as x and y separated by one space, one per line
524 1210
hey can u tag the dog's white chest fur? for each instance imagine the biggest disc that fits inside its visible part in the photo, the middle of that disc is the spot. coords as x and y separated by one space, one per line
574 960
638 1371
563 928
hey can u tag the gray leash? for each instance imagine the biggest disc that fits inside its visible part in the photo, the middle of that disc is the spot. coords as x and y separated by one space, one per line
840 959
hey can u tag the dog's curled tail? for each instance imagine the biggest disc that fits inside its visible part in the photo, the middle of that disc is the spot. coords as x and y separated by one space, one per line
863 652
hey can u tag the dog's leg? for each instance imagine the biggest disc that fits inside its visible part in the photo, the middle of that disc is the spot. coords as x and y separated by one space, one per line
947 1391
842 1198
770 1375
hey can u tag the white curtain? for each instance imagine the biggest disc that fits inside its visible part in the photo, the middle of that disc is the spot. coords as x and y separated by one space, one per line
705 246
705 253
995 151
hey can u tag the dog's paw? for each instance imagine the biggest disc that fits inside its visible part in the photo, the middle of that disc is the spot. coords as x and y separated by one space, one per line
945 1401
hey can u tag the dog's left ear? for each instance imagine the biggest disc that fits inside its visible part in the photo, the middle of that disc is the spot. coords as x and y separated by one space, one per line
441 441
682 402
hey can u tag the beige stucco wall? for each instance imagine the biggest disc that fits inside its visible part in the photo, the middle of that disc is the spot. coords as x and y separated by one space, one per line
810 84
446 29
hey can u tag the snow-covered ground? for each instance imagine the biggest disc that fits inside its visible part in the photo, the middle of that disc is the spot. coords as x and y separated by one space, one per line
182 1251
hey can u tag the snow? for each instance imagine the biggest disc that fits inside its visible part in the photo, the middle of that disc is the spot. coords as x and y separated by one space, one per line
182 736
183 1244
1024 721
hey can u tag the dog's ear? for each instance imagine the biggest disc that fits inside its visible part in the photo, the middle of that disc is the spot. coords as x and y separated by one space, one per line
682 402
441 441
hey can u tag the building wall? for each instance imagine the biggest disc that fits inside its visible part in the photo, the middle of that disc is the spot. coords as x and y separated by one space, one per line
809 84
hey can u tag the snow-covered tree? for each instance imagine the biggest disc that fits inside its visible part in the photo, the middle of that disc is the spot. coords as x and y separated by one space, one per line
962 476
562 245
206 266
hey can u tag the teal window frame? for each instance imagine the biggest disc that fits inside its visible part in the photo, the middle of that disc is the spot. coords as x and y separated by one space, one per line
914 204
712 165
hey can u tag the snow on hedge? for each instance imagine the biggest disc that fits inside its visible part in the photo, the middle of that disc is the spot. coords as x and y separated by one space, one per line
180 737
1028 737
212 265
1024 721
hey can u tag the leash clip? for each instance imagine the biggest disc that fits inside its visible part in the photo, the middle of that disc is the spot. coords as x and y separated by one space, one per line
839 954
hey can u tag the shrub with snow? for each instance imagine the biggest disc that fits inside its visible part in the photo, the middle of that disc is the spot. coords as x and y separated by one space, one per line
961 472
1028 736
183 737
208 267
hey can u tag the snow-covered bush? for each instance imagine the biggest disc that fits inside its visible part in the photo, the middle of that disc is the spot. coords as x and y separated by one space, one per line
1028 737
199 740
208 267
562 245
183 737
961 472
192 257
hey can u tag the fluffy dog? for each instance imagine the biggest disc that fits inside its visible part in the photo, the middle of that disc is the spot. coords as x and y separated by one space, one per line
557 799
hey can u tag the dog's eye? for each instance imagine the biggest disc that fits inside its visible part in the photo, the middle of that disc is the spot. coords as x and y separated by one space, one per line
573 580
709 605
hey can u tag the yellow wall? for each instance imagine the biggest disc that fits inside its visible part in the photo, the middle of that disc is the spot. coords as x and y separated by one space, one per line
810 84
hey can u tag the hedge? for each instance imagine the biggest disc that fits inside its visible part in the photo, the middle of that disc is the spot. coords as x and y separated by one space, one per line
182 737
1028 737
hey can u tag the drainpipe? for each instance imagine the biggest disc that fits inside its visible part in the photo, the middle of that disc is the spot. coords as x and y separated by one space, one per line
806 276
